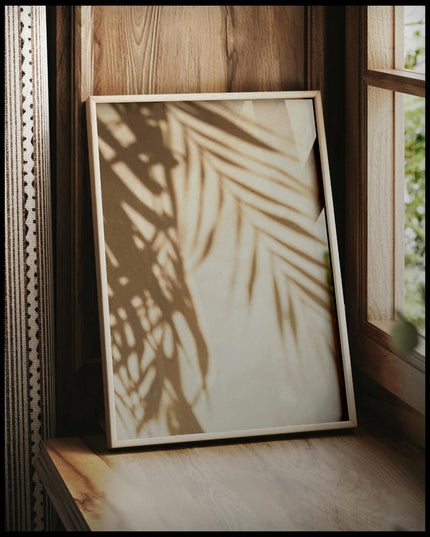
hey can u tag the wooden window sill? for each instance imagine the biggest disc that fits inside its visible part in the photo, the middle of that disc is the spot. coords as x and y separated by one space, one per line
383 331
402 376
327 482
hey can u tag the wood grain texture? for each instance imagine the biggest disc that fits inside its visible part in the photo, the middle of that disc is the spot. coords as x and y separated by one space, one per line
380 44
59 39
327 483
399 204
194 49
395 80
266 48
316 59
380 205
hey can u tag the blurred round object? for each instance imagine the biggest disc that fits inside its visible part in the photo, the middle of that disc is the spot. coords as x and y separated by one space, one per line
404 335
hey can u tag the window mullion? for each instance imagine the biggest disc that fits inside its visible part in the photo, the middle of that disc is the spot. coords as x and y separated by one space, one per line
380 205
399 43
399 201
391 79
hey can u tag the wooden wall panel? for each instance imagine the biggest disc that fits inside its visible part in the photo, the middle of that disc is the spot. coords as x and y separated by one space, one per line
187 49
139 50
163 49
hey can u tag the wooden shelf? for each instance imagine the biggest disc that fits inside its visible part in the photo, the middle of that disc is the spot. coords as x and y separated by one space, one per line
328 482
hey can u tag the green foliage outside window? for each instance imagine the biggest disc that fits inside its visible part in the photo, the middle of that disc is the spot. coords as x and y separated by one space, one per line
415 210
414 308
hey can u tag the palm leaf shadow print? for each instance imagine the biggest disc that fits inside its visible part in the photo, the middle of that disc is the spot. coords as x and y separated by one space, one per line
236 161
153 323
170 172
264 176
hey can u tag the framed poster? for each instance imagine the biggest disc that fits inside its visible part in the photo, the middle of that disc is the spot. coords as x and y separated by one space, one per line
220 295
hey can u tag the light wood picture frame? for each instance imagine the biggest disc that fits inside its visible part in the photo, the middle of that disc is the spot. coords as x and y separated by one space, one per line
220 295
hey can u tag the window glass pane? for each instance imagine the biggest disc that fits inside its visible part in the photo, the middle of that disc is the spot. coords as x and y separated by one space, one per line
414 307
414 38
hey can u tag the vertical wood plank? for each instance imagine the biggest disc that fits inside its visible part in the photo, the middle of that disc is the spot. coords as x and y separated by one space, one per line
380 37
380 204
399 166
265 48
399 204
399 45
202 68
356 198
86 339
316 53
381 165
125 48
59 47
